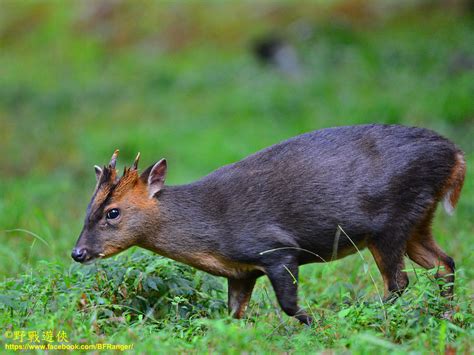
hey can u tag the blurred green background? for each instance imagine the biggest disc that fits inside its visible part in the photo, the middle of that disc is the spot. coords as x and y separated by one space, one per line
182 80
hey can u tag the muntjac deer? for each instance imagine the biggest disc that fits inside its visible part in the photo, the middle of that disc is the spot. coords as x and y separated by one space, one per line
281 207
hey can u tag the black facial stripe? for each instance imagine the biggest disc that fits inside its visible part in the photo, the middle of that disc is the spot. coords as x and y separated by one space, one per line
105 177
89 206
96 216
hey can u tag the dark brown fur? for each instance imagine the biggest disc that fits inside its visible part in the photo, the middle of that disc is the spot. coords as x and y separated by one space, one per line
281 208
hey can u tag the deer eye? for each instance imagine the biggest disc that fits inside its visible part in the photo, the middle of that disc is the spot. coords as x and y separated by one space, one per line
113 213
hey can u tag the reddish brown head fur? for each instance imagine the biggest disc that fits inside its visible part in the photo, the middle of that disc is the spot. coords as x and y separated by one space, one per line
119 209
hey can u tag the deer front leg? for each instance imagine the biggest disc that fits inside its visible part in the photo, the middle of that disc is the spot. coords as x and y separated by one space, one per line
284 279
239 293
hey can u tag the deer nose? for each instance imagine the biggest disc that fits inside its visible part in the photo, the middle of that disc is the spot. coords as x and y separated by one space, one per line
79 254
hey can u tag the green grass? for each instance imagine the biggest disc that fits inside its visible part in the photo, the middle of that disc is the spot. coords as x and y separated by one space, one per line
180 83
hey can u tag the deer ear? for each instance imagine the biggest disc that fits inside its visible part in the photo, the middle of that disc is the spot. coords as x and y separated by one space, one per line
155 177
98 172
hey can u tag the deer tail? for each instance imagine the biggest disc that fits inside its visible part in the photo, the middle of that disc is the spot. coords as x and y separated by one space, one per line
454 184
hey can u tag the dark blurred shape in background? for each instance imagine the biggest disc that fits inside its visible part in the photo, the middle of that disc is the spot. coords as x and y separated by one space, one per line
275 51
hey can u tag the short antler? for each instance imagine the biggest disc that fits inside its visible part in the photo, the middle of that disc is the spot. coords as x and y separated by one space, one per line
135 163
113 160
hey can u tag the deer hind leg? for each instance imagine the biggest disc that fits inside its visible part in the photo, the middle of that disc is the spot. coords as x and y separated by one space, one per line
239 293
423 250
388 251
